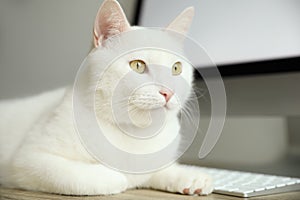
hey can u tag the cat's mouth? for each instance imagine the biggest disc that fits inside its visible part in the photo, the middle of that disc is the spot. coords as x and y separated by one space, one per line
151 102
147 102
140 109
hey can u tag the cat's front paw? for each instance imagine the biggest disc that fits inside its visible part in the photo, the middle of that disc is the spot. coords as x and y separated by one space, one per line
195 184
191 182
182 179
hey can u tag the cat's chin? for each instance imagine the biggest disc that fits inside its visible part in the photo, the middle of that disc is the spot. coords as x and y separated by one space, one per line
172 105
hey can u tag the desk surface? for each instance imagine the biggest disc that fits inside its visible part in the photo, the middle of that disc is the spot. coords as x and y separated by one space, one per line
12 194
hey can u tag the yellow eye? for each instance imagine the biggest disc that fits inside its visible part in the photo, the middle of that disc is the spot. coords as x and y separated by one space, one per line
138 66
177 68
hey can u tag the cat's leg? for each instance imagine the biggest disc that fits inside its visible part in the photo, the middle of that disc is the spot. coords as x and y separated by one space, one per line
55 174
182 179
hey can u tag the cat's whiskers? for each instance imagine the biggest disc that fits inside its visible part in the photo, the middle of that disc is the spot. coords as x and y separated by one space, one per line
197 94
188 109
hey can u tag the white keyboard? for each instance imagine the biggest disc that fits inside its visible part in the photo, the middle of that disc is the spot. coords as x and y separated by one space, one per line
246 184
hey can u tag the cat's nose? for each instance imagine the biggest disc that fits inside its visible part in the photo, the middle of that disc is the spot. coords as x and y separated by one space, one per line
166 93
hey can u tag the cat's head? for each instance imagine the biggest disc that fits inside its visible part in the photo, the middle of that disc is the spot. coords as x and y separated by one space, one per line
111 21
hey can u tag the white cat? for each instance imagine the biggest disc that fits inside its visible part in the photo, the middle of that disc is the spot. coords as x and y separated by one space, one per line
40 149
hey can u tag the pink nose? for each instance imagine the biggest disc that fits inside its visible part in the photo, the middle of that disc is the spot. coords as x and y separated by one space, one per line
166 93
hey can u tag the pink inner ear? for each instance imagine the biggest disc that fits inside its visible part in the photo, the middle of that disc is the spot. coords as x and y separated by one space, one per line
110 21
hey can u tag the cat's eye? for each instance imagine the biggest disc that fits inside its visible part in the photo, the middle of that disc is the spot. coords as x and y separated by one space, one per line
138 66
177 68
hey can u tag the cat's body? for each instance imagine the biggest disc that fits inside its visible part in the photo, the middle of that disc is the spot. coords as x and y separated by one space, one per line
40 148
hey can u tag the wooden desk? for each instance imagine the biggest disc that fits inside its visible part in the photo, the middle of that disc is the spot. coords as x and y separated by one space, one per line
12 194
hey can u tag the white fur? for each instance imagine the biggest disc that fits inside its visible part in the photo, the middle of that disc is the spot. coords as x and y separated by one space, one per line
40 149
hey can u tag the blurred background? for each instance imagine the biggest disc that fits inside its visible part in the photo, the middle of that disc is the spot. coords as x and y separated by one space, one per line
256 45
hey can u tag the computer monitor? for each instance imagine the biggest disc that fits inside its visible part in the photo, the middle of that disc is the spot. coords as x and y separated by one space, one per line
241 37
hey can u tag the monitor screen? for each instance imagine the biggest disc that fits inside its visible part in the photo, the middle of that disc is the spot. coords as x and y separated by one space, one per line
234 32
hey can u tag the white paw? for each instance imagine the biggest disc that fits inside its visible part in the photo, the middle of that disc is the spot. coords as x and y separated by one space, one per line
193 182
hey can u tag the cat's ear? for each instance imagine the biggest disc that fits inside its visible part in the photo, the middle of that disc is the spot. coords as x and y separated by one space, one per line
110 21
182 22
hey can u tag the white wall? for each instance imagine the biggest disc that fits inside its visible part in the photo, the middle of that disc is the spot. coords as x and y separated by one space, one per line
42 43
